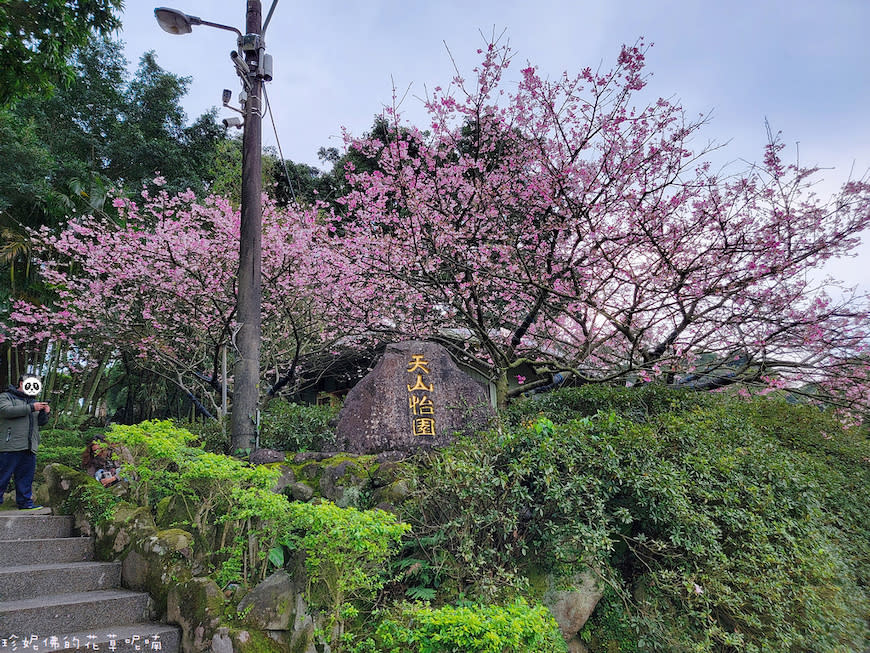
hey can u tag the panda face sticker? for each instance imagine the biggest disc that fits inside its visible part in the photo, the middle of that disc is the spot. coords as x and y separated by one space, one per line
31 386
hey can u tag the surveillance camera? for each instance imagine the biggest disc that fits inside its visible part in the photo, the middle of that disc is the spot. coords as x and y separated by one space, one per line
240 63
232 122
227 96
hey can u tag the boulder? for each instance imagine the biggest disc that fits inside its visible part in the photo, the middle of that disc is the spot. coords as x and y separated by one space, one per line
342 483
415 398
271 605
265 456
572 600
154 562
299 492
197 606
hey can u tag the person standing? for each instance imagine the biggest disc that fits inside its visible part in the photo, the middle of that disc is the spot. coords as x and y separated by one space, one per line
20 418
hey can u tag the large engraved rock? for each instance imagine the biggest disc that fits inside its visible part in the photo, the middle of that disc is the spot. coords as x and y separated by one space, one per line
416 397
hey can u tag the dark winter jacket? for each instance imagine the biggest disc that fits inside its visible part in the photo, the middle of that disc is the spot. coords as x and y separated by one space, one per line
19 425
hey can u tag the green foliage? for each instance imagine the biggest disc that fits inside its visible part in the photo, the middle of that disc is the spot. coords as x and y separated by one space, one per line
514 628
212 435
36 38
715 529
609 627
69 456
297 427
837 459
214 490
60 446
64 438
152 454
345 551
98 503
638 404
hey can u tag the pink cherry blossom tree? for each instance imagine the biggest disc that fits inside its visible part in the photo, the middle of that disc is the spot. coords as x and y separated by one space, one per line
157 285
555 223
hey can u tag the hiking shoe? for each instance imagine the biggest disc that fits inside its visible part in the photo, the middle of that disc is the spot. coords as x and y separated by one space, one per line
36 510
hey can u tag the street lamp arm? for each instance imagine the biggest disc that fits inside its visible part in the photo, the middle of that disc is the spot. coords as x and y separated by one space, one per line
226 27
178 22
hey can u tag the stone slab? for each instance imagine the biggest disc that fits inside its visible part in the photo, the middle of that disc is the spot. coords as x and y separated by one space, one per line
415 398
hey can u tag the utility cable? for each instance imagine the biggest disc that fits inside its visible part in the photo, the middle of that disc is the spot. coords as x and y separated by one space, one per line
280 152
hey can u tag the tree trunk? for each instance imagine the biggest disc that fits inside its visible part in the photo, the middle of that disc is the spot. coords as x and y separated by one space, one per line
501 388
97 377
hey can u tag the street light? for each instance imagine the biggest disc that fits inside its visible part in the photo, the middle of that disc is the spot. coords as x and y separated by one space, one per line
253 66
178 22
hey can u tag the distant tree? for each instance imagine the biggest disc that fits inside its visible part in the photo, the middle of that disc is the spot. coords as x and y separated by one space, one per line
37 39
103 130
66 151
559 226
299 183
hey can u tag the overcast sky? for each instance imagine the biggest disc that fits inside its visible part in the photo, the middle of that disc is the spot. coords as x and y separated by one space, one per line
803 65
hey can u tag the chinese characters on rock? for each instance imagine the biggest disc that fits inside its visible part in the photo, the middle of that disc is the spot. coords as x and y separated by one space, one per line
420 406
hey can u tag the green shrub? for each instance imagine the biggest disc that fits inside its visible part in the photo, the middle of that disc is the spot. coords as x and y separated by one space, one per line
95 501
514 628
284 426
60 446
637 404
64 438
716 535
296 427
213 435
230 504
609 628
69 456
345 550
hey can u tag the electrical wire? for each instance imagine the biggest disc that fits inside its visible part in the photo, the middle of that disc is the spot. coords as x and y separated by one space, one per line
280 152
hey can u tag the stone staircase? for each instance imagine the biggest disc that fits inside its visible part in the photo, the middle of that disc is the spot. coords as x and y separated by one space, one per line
53 596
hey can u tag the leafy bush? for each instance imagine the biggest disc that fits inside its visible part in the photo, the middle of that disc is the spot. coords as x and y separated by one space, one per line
296 427
284 426
609 628
97 502
69 456
514 628
837 459
64 438
344 548
637 404
345 551
212 435
716 535
60 446
215 491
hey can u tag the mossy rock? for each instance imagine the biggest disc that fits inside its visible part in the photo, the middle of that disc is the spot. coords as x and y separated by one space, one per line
342 478
255 641
172 513
197 606
153 564
129 525
395 493
59 482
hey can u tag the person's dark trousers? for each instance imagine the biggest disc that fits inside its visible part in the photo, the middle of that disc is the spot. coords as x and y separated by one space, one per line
22 465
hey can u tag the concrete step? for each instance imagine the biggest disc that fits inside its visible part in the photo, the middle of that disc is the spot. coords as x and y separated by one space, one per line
30 581
17 526
65 549
111 639
48 615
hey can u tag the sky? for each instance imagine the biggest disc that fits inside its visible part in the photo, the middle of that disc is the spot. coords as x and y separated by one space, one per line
803 66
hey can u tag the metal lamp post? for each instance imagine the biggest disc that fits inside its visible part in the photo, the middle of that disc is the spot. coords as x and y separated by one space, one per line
254 67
